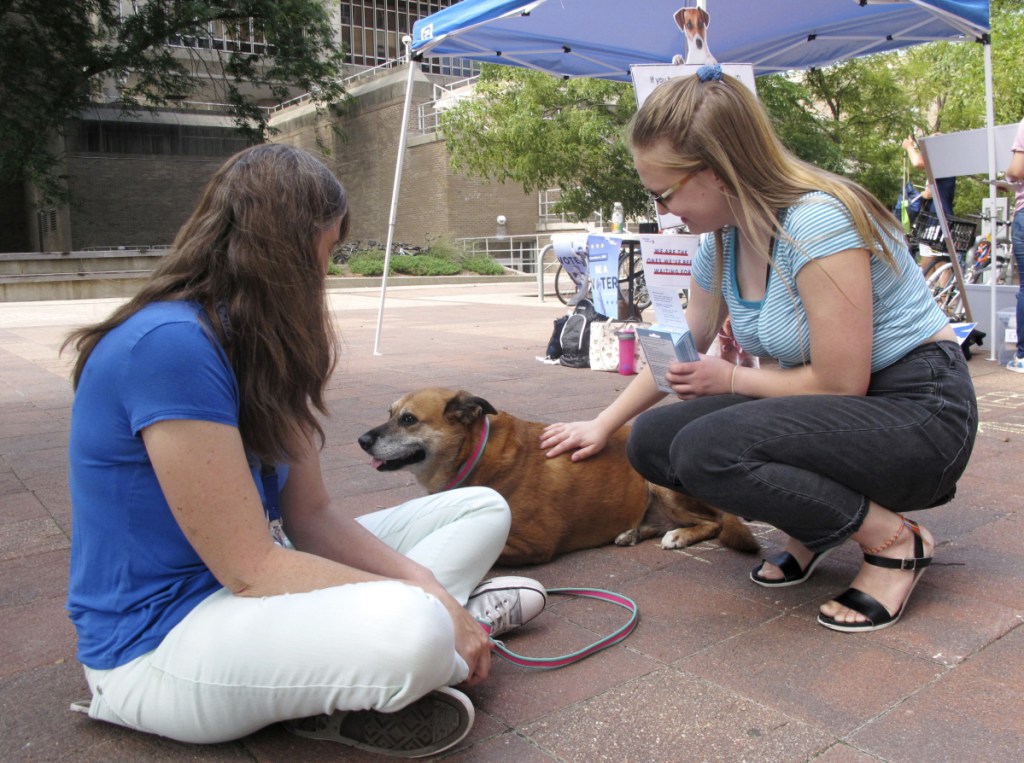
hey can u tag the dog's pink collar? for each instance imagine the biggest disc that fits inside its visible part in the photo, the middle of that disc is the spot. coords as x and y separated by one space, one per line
474 459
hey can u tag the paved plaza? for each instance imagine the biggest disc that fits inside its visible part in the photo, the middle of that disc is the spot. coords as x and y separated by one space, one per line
718 669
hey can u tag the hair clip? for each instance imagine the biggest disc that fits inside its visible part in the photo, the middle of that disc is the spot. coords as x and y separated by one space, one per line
710 72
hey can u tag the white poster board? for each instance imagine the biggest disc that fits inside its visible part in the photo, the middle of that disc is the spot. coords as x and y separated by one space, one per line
668 264
571 252
966 152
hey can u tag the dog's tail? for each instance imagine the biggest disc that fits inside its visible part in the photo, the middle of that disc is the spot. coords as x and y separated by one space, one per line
737 536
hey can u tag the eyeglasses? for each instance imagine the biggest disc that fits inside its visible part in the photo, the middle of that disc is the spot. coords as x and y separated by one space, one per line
661 198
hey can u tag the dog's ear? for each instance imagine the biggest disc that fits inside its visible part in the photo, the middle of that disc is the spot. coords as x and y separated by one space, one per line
706 16
465 408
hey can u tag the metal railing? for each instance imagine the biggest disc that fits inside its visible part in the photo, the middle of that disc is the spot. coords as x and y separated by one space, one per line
428 114
531 253
346 83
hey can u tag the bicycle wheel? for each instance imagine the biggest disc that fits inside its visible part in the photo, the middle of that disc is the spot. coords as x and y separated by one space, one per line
641 297
565 285
937 261
943 286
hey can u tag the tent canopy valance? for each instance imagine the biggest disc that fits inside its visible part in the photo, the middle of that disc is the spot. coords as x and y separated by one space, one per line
602 38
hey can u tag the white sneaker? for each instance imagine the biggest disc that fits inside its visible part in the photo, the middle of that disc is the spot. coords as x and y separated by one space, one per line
1016 364
504 603
435 722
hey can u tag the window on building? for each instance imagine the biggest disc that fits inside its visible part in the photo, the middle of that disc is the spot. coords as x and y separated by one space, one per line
95 137
372 30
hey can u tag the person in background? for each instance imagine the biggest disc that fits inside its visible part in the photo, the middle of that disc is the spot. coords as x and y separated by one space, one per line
867 408
215 586
1015 174
944 192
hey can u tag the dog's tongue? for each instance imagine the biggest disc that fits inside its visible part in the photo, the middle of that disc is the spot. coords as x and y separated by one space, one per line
376 463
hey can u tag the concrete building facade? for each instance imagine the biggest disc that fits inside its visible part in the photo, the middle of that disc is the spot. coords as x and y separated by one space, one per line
133 180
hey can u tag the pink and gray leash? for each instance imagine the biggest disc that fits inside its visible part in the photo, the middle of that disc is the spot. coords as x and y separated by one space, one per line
548 663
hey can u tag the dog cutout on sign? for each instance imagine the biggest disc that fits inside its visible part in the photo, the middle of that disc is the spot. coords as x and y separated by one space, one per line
693 22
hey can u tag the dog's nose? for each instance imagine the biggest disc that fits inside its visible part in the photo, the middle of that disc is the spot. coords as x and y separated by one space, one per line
366 441
700 43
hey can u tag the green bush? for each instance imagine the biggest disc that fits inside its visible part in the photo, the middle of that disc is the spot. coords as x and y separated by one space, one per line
445 249
367 263
441 258
483 265
424 265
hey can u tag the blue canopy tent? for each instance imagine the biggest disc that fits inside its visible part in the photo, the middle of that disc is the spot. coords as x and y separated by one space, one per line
602 38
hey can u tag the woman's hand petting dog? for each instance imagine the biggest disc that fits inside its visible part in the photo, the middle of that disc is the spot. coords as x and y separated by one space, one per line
584 438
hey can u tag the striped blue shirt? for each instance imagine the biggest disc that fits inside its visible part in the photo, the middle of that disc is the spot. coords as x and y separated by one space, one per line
776 327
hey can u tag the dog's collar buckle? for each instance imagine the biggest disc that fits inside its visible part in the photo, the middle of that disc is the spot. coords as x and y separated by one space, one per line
473 460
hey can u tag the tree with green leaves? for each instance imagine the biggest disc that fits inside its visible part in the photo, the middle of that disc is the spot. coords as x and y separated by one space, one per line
849 118
56 54
542 132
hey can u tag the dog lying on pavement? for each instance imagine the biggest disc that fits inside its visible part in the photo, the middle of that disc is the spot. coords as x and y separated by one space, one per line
448 439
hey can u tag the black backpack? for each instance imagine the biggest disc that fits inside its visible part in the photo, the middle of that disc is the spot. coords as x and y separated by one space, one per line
574 338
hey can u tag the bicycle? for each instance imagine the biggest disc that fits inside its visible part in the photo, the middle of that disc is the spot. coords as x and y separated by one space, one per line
406 249
939 273
976 266
566 287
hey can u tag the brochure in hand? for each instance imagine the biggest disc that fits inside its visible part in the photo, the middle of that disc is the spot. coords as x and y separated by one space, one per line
668 262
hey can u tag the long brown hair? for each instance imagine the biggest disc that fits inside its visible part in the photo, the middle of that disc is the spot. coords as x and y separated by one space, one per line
251 245
688 125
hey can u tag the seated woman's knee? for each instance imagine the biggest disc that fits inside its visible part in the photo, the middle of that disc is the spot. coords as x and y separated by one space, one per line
492 502
426 629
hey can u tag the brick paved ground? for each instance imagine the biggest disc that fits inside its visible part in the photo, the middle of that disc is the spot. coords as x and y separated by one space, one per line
718 670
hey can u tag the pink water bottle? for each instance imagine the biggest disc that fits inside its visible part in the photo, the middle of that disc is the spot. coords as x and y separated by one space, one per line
627 351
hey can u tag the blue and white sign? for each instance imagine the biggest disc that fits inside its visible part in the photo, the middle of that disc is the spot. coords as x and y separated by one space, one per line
603 254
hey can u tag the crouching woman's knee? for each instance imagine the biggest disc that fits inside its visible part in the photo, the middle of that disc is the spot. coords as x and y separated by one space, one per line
647 449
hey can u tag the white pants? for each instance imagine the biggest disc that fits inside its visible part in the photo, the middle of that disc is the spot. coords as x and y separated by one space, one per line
237 664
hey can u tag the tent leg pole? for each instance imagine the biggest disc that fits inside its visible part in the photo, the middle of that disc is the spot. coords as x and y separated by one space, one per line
990 120
403 135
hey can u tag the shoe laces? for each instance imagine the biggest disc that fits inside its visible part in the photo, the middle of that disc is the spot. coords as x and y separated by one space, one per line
502 610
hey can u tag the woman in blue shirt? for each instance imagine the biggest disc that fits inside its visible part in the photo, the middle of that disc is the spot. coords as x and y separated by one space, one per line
215 586
862 406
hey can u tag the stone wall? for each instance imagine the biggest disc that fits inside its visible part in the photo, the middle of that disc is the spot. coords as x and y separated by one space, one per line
433 200
124 200
121 199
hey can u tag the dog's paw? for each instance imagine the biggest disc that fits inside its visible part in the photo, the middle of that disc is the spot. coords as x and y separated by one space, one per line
677 59
678 538
628 538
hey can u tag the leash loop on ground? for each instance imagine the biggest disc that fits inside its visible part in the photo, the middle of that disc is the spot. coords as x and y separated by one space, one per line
548 663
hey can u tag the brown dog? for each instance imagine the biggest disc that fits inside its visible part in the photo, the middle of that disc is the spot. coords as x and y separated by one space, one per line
557 505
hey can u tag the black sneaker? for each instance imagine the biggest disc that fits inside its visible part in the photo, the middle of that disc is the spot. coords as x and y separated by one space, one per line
433 723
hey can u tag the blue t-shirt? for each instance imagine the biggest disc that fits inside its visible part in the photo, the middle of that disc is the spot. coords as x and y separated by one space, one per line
134 575
904 312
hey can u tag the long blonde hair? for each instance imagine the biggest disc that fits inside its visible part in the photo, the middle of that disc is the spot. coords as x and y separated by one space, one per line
688 125
252 246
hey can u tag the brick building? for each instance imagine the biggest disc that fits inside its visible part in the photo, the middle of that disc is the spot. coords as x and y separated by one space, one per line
134 180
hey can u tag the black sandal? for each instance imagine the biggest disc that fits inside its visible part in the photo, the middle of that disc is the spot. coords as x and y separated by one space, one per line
791 572
879 617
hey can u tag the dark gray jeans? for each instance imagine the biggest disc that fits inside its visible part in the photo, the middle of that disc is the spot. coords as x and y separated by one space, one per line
809 464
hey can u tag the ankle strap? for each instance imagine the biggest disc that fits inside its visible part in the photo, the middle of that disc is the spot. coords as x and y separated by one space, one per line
918 562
